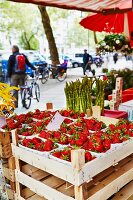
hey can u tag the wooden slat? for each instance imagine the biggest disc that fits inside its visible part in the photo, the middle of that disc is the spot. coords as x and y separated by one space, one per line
27 193
34 172
62 171
12 166
39 175
5 151
125 193
29 169
96 166
53 182
39 188
9 173
10 194
36 197
18 197
67 189
5 138
112 183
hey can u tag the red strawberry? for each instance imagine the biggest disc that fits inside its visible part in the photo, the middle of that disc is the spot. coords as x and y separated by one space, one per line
88 156
64 139
99 148
36 140
82 114
79 142
56 154
107 144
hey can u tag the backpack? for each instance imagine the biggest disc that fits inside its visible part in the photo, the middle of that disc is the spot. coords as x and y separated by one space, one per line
20 65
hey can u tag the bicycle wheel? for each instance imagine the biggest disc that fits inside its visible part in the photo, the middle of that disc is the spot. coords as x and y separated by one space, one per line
61 76
37 92
45 76
26 98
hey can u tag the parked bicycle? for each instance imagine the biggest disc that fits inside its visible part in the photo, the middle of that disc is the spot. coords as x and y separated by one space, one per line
30 91
59 72
43 73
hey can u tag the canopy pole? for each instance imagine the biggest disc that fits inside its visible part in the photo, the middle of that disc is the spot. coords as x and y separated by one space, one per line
88 41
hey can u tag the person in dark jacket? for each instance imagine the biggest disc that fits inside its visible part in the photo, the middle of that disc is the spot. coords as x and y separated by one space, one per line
17 78
87 61
115 57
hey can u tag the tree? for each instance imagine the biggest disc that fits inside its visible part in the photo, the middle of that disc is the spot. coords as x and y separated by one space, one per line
24 25
28 41
49 35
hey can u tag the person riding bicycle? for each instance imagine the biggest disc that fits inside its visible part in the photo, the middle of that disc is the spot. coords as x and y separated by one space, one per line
62 68
64 65
17 69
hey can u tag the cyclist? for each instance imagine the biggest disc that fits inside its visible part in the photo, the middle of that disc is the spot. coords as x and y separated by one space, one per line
17 69
60 68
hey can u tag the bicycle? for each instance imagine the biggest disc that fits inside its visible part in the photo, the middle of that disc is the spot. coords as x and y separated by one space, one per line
28 91
44 72
59 72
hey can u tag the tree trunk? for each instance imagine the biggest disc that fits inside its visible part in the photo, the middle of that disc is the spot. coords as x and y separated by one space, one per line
49 35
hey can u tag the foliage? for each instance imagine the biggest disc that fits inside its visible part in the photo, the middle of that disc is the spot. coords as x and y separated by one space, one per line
28 41
127 75
17 19
115 42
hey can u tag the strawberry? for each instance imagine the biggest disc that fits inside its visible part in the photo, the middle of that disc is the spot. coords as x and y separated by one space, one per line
36 140
67 121
56 154
56 134
99 148
82 114
107 144
79 142
88 156
63 139
48 145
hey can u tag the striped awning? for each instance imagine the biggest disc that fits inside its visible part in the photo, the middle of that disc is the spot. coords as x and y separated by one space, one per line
85 5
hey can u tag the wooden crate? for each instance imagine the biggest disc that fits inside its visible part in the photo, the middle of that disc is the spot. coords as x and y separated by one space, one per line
44 178
5 145
102 184
9 163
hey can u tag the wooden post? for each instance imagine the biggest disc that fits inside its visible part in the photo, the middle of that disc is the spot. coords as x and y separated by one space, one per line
11 165
17 161
49 106
78 161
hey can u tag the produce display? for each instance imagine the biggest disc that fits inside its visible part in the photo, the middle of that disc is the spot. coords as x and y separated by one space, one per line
6 99
75 132
79 96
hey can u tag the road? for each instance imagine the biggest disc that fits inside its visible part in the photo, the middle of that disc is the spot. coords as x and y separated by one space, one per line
52 91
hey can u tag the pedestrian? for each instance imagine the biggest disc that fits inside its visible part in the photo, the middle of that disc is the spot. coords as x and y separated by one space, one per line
87 61
115 57
17 69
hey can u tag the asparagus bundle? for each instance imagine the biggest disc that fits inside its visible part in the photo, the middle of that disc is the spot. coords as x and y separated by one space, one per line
78 95
100 87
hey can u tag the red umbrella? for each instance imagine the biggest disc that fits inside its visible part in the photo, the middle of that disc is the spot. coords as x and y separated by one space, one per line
113 23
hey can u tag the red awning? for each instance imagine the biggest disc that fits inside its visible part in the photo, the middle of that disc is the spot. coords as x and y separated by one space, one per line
85 5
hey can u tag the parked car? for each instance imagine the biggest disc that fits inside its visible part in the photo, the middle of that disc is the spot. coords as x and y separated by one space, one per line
77 60
33 56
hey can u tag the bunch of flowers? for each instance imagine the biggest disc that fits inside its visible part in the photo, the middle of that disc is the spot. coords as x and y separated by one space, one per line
114 42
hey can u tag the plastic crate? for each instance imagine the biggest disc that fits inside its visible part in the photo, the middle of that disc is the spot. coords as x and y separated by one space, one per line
125 97
115 114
